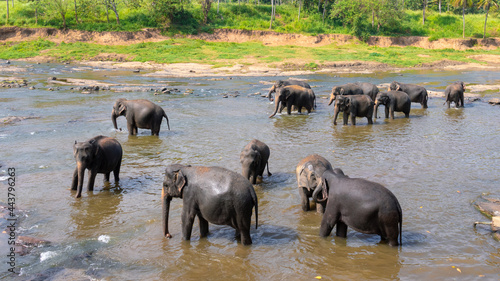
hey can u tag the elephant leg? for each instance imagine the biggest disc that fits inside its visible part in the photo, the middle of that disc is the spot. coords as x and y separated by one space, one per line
370 120
304 199
289 108
74 183
386 112
130 128
92 175
346 117
187 223
341 229
391 233
327 224
106 177
299 109
320 207
203 226
116 171
244 227
353 119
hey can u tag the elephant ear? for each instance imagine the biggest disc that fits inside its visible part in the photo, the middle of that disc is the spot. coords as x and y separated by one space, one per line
325 189
179 181
121 108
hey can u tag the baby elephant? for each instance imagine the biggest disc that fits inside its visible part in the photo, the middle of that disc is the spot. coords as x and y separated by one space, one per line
455 93
356 106
99 154
309 172
140 114
213 194
394 101
365 206
254 159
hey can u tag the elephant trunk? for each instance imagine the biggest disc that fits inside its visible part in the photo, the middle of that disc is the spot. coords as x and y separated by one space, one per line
165 212
113 118
321 187
332 98
277 105
81 171
336 114
376 108
269 95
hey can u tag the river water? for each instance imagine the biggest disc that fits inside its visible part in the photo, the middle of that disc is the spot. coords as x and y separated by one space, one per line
437 163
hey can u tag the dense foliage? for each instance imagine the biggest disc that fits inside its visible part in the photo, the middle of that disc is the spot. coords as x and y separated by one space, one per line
434 18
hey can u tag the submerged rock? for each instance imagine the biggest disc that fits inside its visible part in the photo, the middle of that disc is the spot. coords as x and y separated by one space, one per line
494 101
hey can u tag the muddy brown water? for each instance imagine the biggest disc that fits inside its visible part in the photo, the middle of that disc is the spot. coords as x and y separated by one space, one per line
437 163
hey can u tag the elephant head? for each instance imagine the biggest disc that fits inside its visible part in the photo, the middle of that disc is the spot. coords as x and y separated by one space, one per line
382 98
119 109
307 177
85 154
342 103
335 92
173 186
395 86
275 87
250 159
282 95
462 84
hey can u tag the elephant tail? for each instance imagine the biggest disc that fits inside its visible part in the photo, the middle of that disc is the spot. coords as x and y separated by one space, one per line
254 198
166 117
400 225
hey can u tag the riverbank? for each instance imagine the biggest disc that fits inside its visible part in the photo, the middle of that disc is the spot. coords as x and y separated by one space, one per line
228 52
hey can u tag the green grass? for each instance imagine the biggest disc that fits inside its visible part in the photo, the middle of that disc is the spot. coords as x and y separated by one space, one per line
224 54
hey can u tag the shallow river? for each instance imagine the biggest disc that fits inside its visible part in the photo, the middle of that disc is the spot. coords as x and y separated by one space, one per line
437 163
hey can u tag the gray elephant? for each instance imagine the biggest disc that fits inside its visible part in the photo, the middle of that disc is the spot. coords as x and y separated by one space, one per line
214 195
254 159
455 93
294 96
99 155
283 83
368 89
415 92
394 101
140 114
345 90
365 206
309 172
355 106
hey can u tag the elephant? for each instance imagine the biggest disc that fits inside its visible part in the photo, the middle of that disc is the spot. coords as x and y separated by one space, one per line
140 114
345 90
368 89
394 101
99 154
363 205
356 106
294 95
254 159
214 194
309 172
415 92
455 93
283 83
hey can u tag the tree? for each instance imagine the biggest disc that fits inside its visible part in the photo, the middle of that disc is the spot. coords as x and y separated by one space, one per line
273 7
463 3
61 6
76 12
423 11
205 5
7 11
114 6
487 5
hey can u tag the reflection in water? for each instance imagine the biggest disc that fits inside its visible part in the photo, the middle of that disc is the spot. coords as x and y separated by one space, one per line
95 211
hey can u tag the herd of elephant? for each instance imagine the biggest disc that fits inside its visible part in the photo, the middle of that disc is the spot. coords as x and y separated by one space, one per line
360 99
223 197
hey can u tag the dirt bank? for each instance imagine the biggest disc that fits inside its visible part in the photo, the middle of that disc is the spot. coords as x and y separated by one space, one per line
231 35
248 68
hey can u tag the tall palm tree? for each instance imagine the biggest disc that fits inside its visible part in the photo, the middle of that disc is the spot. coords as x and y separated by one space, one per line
487 5
464 4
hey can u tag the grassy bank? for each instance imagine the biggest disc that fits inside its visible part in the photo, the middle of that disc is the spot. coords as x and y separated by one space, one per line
254 17
223 54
